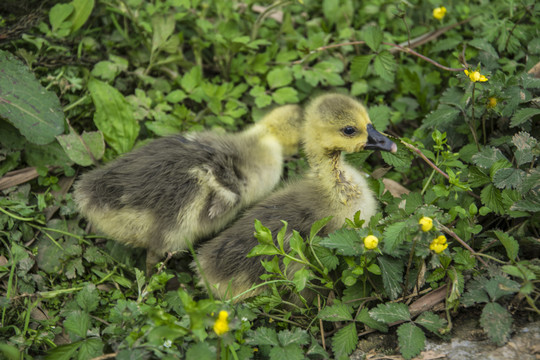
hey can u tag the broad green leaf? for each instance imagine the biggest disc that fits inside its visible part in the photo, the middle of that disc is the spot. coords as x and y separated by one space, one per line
201 351
401 160
296 336
431 321
365 318
521 116
162 29
83 9
344 341
301 278
524 143
36 112
394 235
113 116
509 178
84 150
263 234
63 352
59 13
263 336
289 352
442 116
263 250
373 37
191 79
327 258
380 116
77 322
499 286
10 352
318 225
90 349
487 157
392 275
492 198
497 323
314 349
390 312
88 298
359 66
285 95
337 312
510 244
412 340
385 65
279 77
530 203
346 242
175 96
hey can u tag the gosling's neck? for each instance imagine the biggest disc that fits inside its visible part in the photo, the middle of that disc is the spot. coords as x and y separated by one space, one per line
329 168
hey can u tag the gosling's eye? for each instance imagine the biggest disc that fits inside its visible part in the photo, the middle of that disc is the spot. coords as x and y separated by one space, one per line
349 130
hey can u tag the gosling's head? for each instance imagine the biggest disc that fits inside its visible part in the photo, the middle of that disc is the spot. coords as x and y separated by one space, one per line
286 124
337 122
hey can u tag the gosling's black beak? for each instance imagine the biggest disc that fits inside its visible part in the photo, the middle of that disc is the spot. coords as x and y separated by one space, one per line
377 141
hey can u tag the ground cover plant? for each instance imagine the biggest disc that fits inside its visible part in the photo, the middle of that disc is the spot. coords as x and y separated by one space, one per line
455 84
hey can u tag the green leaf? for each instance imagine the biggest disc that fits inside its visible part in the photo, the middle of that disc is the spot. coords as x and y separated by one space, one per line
83 150
192 79
345 241
487 157
380 116
63 352
523 115
411 339
285 95
88 298
314 349
373 37
359 66
318 225
431 322
510 244
201 351
77 322
59 13
509 178
263 336
83 9
279 77
297 336
365 318
28 106
394 235
344 341
10 352
499 286
385 65
525 144
443 115
401 160
496 322
392 275
337 312
162 29
327 258
391 312
530 203
90 349
289 352
113 116
301 278
492 198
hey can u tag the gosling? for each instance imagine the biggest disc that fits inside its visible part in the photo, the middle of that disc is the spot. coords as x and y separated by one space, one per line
183 188
333 124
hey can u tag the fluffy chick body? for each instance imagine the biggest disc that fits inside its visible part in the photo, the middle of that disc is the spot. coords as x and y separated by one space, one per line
186 187
331 188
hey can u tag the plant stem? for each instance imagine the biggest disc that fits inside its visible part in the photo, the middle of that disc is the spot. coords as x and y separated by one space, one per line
463 243
472 124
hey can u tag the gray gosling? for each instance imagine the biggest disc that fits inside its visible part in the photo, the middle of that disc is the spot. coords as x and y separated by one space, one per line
333 124
182 188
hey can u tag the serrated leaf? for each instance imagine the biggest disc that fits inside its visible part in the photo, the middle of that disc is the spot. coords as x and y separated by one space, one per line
394 236
279 77
327 258
441 116
392 275
345 241
83 150
412 340
524 144
509 178
492 198
401 160
162 29
337 312
314 349
484 45
285 95
499 286
530 203
359 66
522 115
26 104
385 65
289 352
373 37
63 352
510 244
297 336
88 298
431 322
113 116
77 322
365 318
201 351
497 323
191 79
390 312
318 225
90 349
380 116
344 341
263 336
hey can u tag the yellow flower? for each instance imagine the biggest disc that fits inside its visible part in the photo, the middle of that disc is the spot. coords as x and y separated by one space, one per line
492 102
427 223
475 76
221 326
438 13
439 244
371 242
